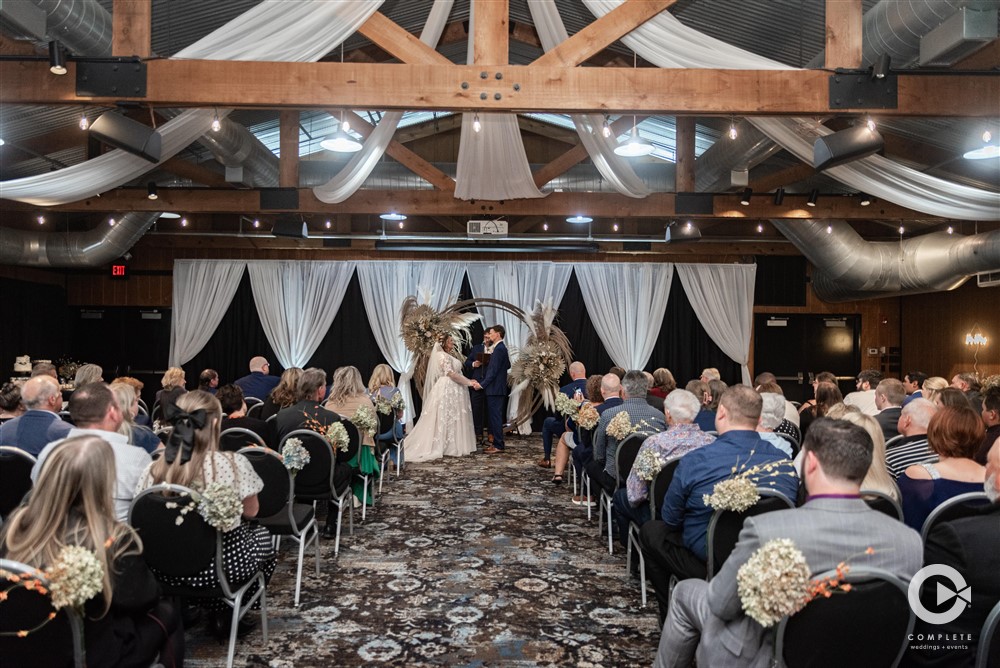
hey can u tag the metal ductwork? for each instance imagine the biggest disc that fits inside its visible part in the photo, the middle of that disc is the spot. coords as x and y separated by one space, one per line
850 268
236 147
83 26
94 247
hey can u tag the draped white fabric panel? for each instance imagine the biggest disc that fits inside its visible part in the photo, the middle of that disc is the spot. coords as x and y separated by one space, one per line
297 302
626 302
203 291
666 42
274 30
722 298
522 284
615 169
361 164
384 286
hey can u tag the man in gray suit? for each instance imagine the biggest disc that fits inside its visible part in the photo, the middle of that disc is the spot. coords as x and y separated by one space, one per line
832 526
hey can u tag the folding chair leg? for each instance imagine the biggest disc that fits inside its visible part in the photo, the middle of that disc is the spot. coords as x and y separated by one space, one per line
642 576
586 479
298 570
610 530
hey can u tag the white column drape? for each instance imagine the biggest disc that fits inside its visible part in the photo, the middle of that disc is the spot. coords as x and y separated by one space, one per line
274 30
722 298
297 301
203 291
626 302
361 164
384 286
522 284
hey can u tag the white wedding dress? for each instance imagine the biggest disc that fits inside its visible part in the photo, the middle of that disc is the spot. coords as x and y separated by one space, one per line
444 428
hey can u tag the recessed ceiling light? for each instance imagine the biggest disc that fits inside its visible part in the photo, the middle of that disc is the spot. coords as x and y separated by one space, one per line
578 219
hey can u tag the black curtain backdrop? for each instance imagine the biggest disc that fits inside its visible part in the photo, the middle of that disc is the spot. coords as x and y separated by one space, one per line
34 320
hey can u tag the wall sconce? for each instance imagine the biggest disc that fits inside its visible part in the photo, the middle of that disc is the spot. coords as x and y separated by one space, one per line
977 340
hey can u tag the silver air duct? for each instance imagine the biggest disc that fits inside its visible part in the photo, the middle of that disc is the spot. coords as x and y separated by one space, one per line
850 268
83 26
92 248
236 147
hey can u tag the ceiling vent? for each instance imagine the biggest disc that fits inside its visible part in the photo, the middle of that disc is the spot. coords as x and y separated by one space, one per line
967 31
487 228
988 279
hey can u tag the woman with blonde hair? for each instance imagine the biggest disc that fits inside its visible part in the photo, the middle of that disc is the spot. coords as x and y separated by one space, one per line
173 387
192 458
283 395
877 478
932 386
382 385
71 504
347 397
137 434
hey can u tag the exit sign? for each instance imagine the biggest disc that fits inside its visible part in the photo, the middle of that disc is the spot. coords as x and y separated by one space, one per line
119 271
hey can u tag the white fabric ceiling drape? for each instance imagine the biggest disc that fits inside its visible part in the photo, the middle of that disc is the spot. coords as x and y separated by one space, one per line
384 286
274 30
722 298
666 42
626 302
360 166
523 284
203 291
615 169
297 301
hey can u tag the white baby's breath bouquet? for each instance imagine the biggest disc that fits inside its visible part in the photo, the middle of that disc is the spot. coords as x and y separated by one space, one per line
382 405
648 463
397 402
75 577
336 434
620 426
566 406
364 419
739 492
221 506
294 455
774 582
588 417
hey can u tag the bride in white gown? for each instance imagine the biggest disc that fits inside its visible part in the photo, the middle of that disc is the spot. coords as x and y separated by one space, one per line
445 424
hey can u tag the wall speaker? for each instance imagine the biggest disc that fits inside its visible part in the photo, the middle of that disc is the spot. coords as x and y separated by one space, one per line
113 129
293 227
845 146
279 199
693 203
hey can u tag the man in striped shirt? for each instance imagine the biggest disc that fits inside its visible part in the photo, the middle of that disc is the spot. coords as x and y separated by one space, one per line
912 448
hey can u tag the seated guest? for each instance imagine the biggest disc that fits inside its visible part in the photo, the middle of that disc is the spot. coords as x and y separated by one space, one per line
88 373
618 371
864 397
45 369
257 383
968 383
95 412
954 434
126 623
136 386
234 414
834 525
573 439
382 385
913 383
208 381
912 448
136 434
991 418
602 468
675 545
767 382
347 397
583 454
889 397
705 419
40 423
10 402
772 412
968 545
554 426
710 374
932 386
283 394
173 386
192 459
877 479
663 383
631 502
953 397
827 396
651 399
821 377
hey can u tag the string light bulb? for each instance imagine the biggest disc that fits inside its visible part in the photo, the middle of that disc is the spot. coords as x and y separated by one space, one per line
111 222
328 224
829 229
345 124
545 226
870 124
951 230
216 123
184 222
606 128
733 134
987 136
760 228
256 223
476 125
901 230
41 220
615 227
84 123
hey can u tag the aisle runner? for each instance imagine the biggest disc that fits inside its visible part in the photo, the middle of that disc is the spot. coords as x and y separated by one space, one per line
466 562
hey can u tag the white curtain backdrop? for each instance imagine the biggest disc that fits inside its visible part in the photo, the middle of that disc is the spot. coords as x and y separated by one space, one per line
626 302
666 42
522 284
722 298
384 286
354 173
297 301
203 291
274 30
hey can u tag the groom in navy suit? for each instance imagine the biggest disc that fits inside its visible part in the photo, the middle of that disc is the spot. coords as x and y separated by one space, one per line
494 384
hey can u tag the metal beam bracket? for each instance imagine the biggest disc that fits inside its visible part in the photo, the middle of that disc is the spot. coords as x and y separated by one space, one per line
858 90
110 78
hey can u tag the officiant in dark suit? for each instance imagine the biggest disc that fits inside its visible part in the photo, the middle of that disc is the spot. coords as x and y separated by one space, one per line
475 368
494 386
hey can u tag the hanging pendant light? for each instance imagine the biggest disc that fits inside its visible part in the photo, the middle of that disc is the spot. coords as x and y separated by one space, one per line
340 141
635 147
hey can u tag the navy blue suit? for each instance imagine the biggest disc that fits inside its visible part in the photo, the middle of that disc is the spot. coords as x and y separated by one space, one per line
584 450
494 385
477 398
257 385
555 426
33 430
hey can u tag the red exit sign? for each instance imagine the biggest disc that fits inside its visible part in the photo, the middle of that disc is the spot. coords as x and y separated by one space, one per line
119 271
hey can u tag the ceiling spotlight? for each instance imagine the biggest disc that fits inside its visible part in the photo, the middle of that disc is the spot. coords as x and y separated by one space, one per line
184 222
2 142
216 123
476 125
745 197
151 190
84 122
813 197
635 147
606 127
578 219
340 141
41 220
864 199
880 67
57 58
393 216
779 196
328 224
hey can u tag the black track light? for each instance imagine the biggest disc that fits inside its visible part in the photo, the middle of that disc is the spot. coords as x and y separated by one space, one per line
745 197
779 196
813 197
57 58
151 190
864 199
880 68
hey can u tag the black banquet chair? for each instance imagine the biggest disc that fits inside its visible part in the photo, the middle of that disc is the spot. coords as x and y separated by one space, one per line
15 472
725 525
235 439
657 491
954 508
187 549
315 482
883 503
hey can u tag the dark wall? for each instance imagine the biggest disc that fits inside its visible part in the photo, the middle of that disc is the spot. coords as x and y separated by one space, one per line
34 320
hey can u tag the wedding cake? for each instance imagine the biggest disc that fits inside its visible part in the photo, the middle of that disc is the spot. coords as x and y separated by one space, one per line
22 364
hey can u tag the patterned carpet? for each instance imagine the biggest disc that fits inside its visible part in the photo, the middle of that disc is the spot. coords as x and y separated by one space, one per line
477 561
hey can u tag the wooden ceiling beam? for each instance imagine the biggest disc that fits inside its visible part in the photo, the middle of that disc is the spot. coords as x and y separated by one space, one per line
449 224
398 42
598 35
407 158
245 84
428 128
132 29
490 19
843 34
781 178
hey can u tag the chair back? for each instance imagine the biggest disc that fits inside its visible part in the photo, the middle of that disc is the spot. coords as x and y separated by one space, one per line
170 548
142 409
315 481
252 401
874 615
658 487
386 422
66 417
725 526
792 441
625 456
989 642
235 439
587 437
56 642
277 480
894 440
156 413
255 409
354 442
15 471
954 508
883 503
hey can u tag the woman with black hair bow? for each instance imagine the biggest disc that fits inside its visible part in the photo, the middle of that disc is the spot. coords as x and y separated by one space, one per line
192 458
